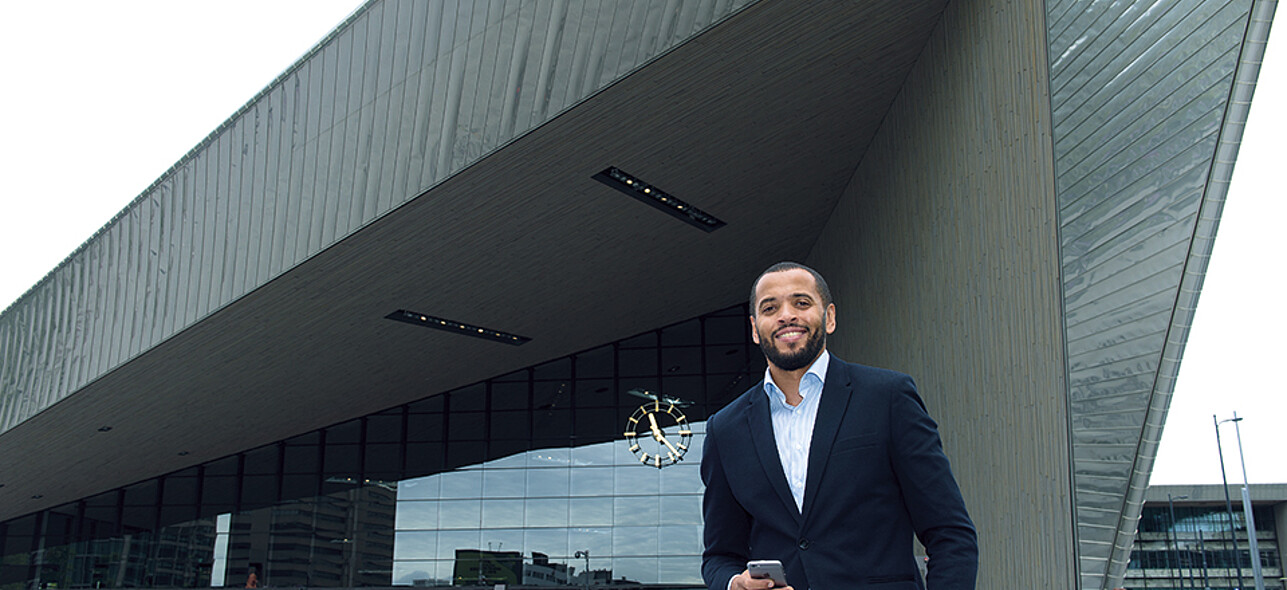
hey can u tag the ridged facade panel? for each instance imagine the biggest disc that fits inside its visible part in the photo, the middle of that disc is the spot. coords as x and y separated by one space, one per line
945 230
1140 102
397 99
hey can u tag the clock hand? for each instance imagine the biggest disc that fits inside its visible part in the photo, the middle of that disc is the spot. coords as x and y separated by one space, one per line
663 441
656 430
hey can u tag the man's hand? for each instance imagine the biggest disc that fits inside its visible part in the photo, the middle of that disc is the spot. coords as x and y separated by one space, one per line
744 581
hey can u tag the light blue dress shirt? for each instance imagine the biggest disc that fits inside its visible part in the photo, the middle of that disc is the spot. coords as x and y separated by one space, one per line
793 425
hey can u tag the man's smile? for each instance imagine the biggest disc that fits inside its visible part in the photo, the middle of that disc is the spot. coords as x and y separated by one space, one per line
790 334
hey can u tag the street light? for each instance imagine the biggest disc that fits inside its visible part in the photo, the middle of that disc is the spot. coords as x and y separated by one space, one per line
1174 534
1228 506
586 555
1246 507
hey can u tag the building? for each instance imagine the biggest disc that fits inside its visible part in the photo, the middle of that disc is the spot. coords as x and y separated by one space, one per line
1184 538
421 261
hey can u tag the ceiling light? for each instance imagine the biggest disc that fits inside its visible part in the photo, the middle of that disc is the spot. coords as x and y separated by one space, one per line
104 428
428 321
624 182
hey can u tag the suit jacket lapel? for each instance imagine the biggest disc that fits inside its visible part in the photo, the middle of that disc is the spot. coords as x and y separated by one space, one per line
831 410
760 429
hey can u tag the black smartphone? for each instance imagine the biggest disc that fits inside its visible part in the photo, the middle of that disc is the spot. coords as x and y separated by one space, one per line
767 569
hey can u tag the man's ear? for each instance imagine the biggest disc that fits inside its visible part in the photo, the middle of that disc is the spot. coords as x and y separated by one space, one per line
755 334
831 318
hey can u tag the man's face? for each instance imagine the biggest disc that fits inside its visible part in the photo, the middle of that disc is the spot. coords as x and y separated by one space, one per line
790 323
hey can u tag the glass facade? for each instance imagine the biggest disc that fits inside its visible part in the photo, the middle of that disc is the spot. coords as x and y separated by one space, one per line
528 478
1193 549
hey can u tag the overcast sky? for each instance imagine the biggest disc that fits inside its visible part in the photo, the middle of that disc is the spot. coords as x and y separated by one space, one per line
101 98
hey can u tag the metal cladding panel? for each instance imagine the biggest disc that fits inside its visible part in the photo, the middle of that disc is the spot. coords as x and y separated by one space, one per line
398 98
1145 135
944 263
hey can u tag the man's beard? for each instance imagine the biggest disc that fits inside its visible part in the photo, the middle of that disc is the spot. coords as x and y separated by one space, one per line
791 361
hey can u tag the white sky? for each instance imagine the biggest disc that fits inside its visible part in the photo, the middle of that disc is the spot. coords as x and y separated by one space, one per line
117 92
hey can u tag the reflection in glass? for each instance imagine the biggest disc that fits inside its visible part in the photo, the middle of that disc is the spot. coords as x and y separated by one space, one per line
469 490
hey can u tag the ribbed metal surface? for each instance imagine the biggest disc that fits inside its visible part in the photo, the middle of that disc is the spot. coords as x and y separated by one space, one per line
400 97
943 261
1140 95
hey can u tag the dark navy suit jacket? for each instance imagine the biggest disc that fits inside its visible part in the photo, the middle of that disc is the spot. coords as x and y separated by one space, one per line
877 475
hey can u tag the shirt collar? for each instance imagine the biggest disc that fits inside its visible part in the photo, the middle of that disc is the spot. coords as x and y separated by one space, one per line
818 370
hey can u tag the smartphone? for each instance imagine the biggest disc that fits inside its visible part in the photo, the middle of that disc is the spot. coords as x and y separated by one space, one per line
767 568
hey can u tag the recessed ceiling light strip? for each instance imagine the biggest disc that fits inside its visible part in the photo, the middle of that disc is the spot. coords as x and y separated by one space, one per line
647 193
428 321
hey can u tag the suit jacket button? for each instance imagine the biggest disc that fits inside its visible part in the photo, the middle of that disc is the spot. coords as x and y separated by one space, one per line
804 544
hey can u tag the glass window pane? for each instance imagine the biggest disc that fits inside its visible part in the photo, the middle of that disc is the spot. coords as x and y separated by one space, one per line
680 570
682 510
510 395
558 369
683 478
342 461
679 540
417 515
462 484
504 483
637 362
424 459
384 429
722 360
432 405
685 360
599 423
347 433
466 426
635 569
546 512
383 462
450 541
460 514
258 491
142 494
511 425
596 393
468 399
592 481
502 513
597 540
552 424
425 428
637 479
261 461
636 511
415 545
596 363
645 340
597 454
552 542
302 459
726 329
547 482
218 489
687 333
590 512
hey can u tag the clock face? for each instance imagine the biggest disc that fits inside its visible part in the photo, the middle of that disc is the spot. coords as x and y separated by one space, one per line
658 434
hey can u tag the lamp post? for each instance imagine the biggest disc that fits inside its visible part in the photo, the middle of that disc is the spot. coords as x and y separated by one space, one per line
1246 508
1175 537
1228 506
586 555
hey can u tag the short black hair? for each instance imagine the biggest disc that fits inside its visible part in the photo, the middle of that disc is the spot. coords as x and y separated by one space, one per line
786 265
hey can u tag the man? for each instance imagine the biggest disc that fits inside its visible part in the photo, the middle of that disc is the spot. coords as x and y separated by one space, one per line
827 466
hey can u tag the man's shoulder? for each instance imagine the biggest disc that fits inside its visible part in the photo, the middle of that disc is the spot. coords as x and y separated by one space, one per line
738 407
868 375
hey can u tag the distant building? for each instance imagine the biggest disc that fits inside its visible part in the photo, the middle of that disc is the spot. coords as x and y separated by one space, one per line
1192 549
